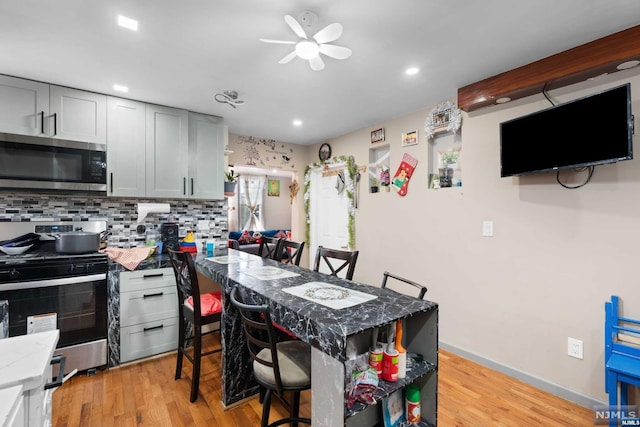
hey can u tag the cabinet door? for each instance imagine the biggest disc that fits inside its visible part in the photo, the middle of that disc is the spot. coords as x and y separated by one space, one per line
78 115
125 147
24 105
206 157
167 147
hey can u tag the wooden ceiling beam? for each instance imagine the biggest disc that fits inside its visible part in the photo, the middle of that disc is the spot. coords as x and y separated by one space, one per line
562 69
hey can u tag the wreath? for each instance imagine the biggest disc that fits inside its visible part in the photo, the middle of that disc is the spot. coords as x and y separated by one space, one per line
444 114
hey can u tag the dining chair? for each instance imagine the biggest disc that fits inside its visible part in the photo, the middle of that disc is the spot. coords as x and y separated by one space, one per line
193 314
278 367
349 259
269 247
421 289
621 355
293 251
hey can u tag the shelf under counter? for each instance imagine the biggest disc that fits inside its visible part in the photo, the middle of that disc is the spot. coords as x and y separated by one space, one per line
385 388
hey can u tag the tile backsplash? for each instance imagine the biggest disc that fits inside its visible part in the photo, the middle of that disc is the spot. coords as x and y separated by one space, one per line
206 218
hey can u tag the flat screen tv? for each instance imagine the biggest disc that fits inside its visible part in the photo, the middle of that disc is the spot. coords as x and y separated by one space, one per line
593 130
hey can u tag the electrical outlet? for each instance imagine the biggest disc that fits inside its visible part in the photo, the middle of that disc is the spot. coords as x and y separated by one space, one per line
574 348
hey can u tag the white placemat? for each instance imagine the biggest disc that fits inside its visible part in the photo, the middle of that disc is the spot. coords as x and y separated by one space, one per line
329 295
225 259
269 273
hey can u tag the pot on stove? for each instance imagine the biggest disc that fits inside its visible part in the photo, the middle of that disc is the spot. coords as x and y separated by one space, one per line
77 242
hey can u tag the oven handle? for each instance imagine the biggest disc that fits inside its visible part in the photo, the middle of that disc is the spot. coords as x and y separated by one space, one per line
57 359
53 282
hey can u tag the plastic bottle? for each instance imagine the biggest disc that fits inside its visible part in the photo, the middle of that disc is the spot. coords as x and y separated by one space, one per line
402 352
412 403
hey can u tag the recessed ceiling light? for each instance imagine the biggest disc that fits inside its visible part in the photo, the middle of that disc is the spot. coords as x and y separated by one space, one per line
628 64
503 100
128 23
412 70
297 122
120 88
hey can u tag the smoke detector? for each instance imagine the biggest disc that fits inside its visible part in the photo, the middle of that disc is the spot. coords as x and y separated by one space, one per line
229 97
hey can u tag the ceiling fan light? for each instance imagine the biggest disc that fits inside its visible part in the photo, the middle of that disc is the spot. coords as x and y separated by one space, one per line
307 49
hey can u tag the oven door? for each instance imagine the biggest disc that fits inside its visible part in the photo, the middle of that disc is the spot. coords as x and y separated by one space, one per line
77 305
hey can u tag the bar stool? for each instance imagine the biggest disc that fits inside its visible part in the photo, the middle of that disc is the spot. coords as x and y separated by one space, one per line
421 289
294 251
349 259
278 367
196 312
269 247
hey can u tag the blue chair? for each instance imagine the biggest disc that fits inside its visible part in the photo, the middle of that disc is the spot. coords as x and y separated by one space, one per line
622 354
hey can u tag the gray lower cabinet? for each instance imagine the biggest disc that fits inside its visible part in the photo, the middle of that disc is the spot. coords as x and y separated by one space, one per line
148 313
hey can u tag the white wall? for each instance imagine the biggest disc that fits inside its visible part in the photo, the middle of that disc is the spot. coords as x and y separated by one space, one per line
556 256
277 209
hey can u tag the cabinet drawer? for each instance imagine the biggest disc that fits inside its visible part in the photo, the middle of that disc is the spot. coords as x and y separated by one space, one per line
148 305
146 279
148 339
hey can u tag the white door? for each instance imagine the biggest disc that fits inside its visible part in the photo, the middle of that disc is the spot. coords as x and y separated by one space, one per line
328 213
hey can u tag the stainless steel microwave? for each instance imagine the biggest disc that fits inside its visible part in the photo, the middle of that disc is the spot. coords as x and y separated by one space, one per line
31 162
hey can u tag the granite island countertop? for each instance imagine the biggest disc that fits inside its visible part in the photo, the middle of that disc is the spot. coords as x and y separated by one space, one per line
320 326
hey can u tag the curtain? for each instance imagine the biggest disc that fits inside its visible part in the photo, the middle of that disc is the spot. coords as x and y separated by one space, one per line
251 196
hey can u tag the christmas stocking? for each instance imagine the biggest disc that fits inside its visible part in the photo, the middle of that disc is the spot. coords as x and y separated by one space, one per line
401 179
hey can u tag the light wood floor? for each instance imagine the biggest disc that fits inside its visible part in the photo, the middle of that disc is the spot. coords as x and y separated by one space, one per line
145 394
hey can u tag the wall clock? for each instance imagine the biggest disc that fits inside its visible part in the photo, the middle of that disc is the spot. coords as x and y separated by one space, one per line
325 152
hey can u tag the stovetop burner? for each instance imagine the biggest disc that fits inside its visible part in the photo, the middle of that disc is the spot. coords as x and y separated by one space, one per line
44 252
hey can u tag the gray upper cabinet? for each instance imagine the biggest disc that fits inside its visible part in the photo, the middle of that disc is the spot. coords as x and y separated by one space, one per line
167 145
24 106
78 115
125 147
206 157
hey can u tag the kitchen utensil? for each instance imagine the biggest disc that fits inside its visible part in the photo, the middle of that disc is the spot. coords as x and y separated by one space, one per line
24 240
15 250
77 242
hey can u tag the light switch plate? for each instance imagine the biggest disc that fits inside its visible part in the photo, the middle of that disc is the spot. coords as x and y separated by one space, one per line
487 228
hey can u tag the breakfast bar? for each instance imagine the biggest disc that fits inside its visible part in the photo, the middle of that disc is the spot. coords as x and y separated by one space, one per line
337 318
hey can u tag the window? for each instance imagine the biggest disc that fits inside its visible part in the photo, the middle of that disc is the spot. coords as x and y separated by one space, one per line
250 201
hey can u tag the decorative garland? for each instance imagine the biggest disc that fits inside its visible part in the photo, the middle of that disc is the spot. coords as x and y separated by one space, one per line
352 169
447 108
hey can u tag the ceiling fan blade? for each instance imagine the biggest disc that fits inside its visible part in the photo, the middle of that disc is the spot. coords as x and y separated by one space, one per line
287 58
317 64
329 33
336 52
277 41
295 26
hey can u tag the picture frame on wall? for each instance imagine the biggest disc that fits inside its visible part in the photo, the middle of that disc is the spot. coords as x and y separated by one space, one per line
410 138
377 135
273 187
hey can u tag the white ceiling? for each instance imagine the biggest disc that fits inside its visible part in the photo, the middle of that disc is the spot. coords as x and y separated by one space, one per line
187 50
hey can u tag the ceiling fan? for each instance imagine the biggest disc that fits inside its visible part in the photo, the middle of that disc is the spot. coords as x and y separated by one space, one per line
311 49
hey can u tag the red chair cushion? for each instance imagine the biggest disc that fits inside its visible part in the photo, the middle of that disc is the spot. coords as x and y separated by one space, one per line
209 303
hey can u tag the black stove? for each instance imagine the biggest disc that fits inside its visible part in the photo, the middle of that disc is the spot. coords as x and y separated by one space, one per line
42 261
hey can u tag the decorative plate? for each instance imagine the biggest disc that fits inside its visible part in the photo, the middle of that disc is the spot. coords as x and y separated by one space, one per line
444 117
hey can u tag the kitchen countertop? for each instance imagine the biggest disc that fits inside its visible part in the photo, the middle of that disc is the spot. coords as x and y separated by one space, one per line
24 359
